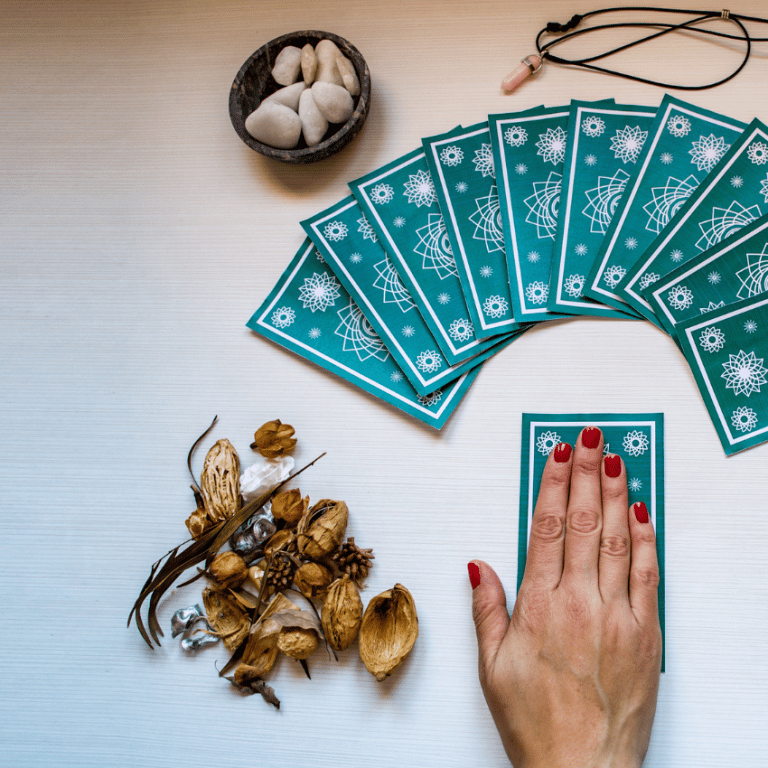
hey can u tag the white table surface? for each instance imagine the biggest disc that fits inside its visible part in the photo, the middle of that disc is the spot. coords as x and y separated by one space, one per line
138 234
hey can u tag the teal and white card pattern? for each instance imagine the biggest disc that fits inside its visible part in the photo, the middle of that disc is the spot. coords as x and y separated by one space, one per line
310 313
733 195
604 144
727 351
400 209
366 271
462 170
684 145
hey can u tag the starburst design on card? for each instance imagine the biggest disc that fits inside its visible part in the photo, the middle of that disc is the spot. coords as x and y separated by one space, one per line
461 330
429 361
515 135
666 158
487 221
314 333
678 125
628 143
551 145
486 271
580 249
283 317
574 285
750 326
356 257
534 257
744 373
711 307
711 339
737 182
547 441
680 297
544 204
495 306
319 292
590 160
392 289
382 194
335 231
666 201
420 189
398 222
395 377
461 187
649 278
744 419
612 276
758 153
630 243
635 443
521 169
754 277
435 247
364 227
635 484
358 334
408 331
431 399
451 156
536 292
714 277
676 255
483 160
724 222
707 152
592 126
603 200
443 298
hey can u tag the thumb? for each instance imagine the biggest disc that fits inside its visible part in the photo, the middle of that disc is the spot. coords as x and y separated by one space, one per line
489 610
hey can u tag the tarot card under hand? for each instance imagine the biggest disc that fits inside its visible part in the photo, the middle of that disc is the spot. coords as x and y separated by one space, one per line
638 438
684 145
310 313
604 144
732 271
364 269
727 350
400 210
733 195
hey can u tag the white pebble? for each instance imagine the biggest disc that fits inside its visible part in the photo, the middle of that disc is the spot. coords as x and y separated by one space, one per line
287 65
327 70
288 96
333 101
308 64
274 124
313 124
348 75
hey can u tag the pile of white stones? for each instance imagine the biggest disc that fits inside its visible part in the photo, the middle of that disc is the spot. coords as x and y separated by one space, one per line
323 96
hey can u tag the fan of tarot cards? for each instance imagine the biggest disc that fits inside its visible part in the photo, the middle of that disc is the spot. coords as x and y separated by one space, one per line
446 255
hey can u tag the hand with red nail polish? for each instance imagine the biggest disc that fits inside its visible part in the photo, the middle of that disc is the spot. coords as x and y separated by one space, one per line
571 677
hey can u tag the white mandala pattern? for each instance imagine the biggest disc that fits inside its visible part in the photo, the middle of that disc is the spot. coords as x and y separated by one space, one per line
744 373
758 153
635 443
335 231
711 306
533 257
574 285
382 194
495 306
676 255
319 292
613 275
461 330
515 135
649 278
737 182
521 169
358 334
392 289
537 292
592 126
680 297
580 249
420 189
364 226
754 277
398 222
630 243
724 222
546 442
666 201
431 399
764 189
628 143
666 158
603 200
678 125
443 298
551 145
712 339
744 419
750 326
635 484
356 258
429 361
483 160
451 156
314 333
396 376
461 187
408 331
283 317
487 221
486 271
707 151
435 247
544 204
590 160
714 278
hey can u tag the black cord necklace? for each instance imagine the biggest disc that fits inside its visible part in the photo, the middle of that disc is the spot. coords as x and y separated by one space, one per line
692 24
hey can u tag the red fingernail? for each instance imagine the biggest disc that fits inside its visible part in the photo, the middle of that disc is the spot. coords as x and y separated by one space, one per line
562 453
612 465
641 512
590 437
474 574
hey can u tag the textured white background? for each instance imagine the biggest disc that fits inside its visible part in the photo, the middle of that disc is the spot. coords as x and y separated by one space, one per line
138 234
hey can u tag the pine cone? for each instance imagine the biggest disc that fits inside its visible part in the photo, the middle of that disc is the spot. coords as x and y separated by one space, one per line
281 572
352 560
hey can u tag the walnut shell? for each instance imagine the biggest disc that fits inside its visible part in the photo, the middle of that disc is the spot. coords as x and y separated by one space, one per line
389 629
220 482
342 613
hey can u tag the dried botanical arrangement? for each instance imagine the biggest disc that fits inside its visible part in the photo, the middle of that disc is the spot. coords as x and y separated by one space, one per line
253 543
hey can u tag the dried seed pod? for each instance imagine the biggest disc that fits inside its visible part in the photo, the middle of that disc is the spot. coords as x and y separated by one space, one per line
261 651
282 567
282 541
298 643
198 522
228 569
289 506
312 580
322 529
274 439
228 619
342 613
353 560
389 630
220 482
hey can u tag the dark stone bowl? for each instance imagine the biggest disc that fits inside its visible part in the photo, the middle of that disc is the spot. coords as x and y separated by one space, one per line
254 82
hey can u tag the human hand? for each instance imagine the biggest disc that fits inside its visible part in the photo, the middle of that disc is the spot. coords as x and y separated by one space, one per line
571 677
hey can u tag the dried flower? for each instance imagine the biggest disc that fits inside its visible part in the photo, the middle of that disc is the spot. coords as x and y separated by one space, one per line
198 522
282 541
312 580
389 629
298 643
342 613
228 569
220 482
264 474
352 560
322 529
289 506
274 439
227 617
247 680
